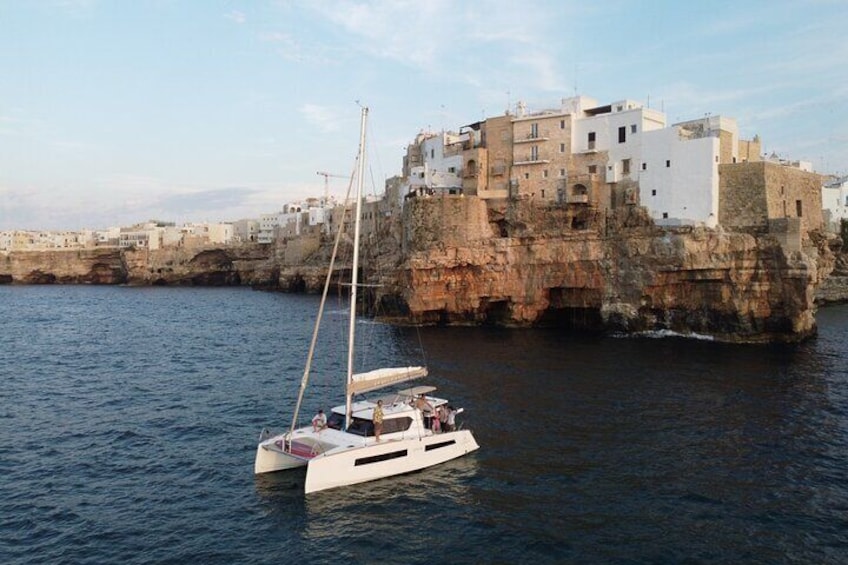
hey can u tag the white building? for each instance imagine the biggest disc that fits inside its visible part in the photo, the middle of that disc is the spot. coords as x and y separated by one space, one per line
246 231
678 177
616 128
441 169
835 202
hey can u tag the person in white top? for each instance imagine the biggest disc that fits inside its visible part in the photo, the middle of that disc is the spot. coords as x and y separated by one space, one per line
319 421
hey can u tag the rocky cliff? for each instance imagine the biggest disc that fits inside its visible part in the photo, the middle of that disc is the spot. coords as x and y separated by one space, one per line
534 265
455 260
251 265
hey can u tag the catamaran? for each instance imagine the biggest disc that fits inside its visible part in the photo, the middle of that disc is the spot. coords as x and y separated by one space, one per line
345 450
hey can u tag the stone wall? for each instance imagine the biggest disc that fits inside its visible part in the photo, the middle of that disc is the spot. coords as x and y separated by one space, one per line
444 220
751 194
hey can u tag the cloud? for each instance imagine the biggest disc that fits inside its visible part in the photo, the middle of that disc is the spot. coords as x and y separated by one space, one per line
236 16
323 117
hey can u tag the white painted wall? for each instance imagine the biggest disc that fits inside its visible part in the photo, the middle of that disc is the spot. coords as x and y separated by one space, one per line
685 191
835 201
606 128
438 171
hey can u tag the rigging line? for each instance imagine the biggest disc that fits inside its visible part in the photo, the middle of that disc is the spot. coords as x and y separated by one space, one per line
305 379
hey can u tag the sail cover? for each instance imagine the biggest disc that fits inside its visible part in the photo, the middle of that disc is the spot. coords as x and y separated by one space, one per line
380 378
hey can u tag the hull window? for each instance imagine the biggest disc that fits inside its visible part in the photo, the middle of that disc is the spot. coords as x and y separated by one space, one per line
378 458
438 445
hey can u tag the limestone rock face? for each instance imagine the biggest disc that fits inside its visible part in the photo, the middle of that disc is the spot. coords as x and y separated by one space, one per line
235 265
459 260
613 274
87 266
248 265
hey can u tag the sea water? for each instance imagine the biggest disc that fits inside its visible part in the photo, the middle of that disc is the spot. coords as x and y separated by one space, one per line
129 419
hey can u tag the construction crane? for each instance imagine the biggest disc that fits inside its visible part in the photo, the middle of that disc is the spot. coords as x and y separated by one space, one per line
327 183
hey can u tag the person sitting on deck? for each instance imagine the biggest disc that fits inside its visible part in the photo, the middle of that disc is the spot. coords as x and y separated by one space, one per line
319 421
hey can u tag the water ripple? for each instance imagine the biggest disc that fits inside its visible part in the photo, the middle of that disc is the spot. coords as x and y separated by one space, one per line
129 419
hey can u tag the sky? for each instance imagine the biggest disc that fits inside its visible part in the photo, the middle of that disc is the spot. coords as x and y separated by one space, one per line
114 112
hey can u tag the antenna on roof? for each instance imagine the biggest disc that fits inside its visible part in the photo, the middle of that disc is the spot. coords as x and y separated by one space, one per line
575 79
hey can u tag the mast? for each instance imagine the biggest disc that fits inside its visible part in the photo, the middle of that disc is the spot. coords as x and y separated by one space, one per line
355 274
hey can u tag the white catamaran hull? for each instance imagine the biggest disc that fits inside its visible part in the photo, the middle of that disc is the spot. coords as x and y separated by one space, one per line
385 459
270 458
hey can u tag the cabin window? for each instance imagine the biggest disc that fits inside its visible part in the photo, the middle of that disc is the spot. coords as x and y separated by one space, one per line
393 425
378 458
433 446
335 421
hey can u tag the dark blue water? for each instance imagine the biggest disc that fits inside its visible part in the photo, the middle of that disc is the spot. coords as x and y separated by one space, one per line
129 417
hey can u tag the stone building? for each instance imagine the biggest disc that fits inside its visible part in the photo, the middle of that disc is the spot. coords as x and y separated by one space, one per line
769 197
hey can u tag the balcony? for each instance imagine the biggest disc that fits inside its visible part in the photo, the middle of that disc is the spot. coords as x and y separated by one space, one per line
577 199
532 162
529 138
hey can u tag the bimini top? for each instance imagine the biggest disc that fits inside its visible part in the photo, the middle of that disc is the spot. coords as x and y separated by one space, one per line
416 391
381 378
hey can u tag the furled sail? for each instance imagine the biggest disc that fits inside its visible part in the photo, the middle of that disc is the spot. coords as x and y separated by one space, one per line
380 378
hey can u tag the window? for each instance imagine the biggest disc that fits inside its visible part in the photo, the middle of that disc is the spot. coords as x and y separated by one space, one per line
665 215
625 166
562 124
432 153
591 140
562 147
527 176
667 163
534 130
534 153
452 169
378 458
622 134
716 158
396 425
653 192
798 209
644 166
543 193
438 445
545 174
593 169
633 128
562 172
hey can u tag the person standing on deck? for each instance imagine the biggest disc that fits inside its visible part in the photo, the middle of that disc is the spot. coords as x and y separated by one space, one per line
377 418
426 410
